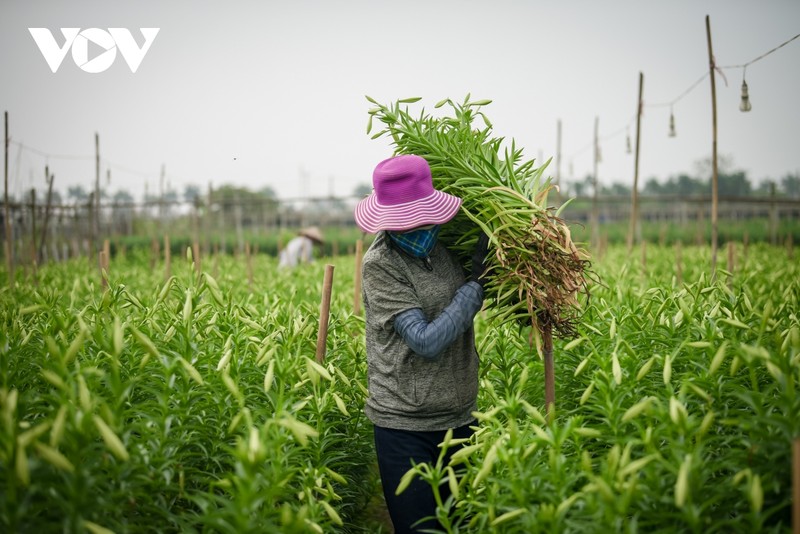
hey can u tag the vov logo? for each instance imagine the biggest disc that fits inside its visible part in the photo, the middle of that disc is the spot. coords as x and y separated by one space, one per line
108 42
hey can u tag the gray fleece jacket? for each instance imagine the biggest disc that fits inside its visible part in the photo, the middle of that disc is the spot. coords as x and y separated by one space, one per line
408 391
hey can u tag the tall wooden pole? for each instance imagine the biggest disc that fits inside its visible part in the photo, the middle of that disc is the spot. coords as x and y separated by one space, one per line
714 175
595 214
7 218
96 229
324 313
50 178
558 159
634 232
549 371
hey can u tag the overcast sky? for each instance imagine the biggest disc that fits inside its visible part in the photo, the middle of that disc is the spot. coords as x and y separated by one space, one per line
272 93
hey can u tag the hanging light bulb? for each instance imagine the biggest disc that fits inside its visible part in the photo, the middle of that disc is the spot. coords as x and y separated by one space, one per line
745 106
671 124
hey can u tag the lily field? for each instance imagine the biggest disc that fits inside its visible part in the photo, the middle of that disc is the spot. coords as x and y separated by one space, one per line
194 402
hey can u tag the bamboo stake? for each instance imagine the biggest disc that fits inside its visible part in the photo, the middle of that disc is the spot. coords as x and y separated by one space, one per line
549 371
50 179
96 222
33 236
633 233
595 215
167 258
714 175
558 161
324 314
796 486
357 292
196 257
9 249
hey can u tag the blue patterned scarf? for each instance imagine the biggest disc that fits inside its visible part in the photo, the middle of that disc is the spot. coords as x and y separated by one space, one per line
418 243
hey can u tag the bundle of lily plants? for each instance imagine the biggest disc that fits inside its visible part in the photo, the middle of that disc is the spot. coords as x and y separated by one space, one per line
536 272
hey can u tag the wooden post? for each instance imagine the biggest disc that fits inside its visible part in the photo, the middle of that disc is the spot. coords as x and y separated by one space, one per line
107 251
549 371
196 257
33 230
324 313
595 215
167 258
50 178
96 222
357 292
633 232
714 175
558 161
7 219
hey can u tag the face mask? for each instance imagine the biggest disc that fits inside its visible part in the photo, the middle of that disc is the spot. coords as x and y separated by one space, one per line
419 242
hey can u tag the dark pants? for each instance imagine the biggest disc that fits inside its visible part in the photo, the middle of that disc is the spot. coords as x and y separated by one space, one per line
396 449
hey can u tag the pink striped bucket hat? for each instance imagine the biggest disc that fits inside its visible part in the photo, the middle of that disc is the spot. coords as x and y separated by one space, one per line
403 197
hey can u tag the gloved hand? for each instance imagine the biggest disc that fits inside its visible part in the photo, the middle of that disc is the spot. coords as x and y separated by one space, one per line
479 257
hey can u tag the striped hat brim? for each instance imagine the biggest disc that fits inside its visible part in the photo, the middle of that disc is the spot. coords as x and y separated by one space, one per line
437 208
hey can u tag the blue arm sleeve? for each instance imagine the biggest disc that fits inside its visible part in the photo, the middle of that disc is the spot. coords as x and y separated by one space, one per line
429 339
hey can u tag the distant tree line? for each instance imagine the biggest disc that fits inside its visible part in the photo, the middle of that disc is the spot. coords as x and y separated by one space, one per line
731 183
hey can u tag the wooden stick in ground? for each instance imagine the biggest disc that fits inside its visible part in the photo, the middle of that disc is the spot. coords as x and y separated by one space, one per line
796 486
196 258
634 227
7 219
549 371
357 292
167 258
714 171
43 237
34 263
107 250
324 313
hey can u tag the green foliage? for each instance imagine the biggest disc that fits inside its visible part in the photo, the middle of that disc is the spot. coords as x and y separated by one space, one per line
677 407
191 404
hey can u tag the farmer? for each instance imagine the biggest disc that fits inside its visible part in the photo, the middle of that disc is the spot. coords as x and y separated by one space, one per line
301 248
421 357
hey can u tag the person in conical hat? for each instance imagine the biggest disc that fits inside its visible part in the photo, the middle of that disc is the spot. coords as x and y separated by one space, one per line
301 248
419 304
